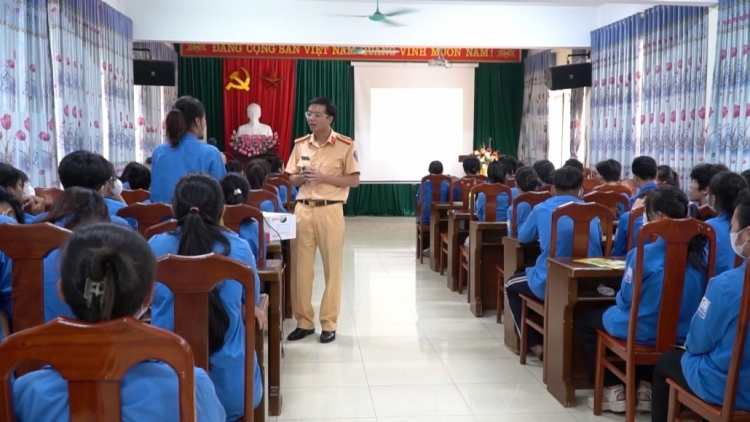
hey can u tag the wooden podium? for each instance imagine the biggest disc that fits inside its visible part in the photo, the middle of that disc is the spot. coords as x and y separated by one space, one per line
462 158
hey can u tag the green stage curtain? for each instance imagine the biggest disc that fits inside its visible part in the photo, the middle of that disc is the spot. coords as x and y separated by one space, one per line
325 78
381 199
498 103
202 78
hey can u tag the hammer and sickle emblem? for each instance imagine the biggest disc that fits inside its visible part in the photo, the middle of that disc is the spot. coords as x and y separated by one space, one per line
237 83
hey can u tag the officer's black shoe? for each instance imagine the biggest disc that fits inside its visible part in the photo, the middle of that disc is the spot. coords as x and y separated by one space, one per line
327 336
299 334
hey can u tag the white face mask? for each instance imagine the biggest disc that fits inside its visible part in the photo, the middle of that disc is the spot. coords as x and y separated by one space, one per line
645 218
28 190
733 237
117 187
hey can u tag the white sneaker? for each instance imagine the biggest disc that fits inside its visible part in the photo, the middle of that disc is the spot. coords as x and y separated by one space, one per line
644 405
611 404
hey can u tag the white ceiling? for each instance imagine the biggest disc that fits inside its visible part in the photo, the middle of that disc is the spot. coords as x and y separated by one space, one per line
445 23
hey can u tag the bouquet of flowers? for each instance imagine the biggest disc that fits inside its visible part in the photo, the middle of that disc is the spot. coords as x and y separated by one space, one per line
486 156
252 145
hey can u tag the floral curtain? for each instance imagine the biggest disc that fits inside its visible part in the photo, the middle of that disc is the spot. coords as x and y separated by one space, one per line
27 130
729 132
675 48
152 103
115 49
534 138
578 127
615 92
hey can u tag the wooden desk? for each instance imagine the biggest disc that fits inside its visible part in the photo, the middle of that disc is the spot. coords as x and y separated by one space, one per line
456 237
517 256
485 252
438 223
272 275
288 253
571 292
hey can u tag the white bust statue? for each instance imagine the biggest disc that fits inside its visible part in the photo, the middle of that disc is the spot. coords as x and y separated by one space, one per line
254 127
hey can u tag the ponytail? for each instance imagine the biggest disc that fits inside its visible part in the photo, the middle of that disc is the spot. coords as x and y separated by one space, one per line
181 117
235 188
257 173
176 126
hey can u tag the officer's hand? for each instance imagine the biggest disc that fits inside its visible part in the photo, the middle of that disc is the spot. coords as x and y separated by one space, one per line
313 176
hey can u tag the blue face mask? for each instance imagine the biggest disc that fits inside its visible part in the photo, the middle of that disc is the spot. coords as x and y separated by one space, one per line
708 202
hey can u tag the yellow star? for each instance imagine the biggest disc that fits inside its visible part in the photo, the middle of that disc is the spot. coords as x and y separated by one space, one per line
272 79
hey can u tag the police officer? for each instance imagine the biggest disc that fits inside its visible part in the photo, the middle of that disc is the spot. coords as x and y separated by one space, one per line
324 165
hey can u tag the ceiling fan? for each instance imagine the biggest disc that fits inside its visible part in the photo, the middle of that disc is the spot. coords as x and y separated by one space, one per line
383 17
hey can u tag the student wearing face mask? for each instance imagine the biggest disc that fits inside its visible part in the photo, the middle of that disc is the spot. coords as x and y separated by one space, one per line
702 366
723 191
184 153
16 182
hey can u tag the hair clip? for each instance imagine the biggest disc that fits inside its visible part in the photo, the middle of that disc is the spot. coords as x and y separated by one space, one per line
94 288
238 191
196 209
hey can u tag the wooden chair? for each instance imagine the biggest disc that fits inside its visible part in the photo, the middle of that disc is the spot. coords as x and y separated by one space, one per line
191 279
677 234
586 173
163 227
234 215
147 215
621 189
465 185
706 212
609 199
582 215
533 199
697 409
93 359
257 197
423 230
634 214
546 188
278 182
48 194
135 196
491 192
510 182
27 245
589 185
260 352
4 325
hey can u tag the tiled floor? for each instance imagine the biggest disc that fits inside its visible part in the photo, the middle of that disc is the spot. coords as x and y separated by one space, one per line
409 350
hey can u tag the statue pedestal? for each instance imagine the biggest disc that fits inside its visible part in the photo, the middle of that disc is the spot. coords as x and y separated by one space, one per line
245 159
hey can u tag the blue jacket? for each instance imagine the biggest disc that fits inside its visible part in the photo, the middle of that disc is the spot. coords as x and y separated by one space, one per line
647 186
170 164
148 393
249 232
502 205
620 247
282 193
524 209
115 206
427 199
539 227
725 255
711 338
112 217
228 363
617 318
6 268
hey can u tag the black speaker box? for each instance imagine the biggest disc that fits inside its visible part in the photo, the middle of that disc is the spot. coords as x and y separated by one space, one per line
153 72
568 76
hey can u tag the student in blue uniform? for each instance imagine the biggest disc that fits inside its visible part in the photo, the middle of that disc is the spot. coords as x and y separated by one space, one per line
139 177
620 246
112 193
11 213
277 169
257 175
184 153
666 175
533 282
126 173
496 174
722 195
236 188
546 171
471 167
700 177
608 172
702 367
198 204
117 262
663 202
233 166
511 164
644 170
526 181
13 179
436 168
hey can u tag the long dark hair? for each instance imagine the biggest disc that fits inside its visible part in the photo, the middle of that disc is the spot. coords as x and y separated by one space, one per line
111 254
76 206
236 188
257 173
7 197
673 203
726 187
527 180
181 118
546 170
496 172
198 204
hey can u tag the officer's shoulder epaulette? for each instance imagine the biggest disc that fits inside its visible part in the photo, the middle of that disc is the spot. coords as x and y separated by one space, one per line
344 139
302 139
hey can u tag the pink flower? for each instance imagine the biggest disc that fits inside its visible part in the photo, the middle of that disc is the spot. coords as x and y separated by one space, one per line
643 119
27 124
657 69
611 80
661 117
41 172
32 68
615 122
724 112
51 125
75 111
110 67
6 121
104 66
648 71
692 114
710 112
67 61
702 113
673 116
723 54
44 136
125 125
163 125
80 113
130 125
75 64
690 61
736 111
58 58
21 135
651 117
66 111
141 121
11 64
96 124
747 110
638 74
669 66
734 52
683 116
679 64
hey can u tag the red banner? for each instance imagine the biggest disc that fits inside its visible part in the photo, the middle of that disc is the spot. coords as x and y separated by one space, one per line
254 51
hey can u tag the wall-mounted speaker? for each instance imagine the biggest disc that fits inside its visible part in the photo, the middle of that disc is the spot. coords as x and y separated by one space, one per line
153 72
568 76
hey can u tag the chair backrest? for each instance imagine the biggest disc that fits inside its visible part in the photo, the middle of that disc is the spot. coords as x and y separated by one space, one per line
531 198
191 279
135 196
546 188
608 199
677 233
582 214
490 191
738 351
270 188
27 245
481 177
93 359
4 325
589 185
236 214
147 215
587 173
48 194
621 189
634 214
706 212
163 227
464 185
435 180
510 182
257 197
279 181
